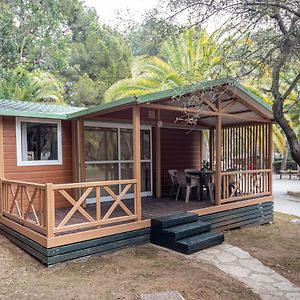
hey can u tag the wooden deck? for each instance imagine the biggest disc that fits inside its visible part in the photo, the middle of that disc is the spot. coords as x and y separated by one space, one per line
151 207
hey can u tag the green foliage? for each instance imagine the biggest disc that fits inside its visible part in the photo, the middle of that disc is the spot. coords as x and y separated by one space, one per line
37 86
66 39
147 38
190 57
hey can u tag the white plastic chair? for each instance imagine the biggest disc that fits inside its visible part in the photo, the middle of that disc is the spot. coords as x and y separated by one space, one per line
187 182
174 181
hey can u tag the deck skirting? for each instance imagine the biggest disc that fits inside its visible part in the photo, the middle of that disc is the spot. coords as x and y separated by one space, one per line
251 215
51 256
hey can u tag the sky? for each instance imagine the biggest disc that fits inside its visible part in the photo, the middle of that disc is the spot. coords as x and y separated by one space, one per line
108 10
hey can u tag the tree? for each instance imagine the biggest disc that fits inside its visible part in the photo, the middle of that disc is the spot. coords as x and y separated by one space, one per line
63 38
188 58
32 34
274 25
38 86
147 38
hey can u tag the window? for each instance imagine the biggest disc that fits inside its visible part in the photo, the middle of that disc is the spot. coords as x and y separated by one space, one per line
38 142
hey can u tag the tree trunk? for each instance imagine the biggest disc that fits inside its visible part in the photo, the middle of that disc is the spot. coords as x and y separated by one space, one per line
291 136
285 156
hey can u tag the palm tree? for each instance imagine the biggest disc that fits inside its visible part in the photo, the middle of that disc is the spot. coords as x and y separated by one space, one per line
192 56
38 86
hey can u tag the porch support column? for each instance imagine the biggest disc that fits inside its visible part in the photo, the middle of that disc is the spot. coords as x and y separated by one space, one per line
218 179
136 117
158 156
81 155
211 148
201 148
270 154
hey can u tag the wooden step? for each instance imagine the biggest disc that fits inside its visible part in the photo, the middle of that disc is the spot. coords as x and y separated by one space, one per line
191 244
201 241
173 220
186 230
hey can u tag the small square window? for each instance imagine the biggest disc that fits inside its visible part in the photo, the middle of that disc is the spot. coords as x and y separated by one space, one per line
38 142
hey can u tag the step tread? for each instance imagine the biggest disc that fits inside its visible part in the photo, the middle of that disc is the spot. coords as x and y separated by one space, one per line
200 238
186 226
173 220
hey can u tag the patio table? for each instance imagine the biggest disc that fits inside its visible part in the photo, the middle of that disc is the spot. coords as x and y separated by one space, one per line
202 174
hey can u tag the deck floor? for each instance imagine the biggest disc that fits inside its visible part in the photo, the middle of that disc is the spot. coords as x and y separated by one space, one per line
151 207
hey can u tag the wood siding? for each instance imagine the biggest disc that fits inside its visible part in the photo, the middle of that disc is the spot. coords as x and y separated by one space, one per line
180 149
61 173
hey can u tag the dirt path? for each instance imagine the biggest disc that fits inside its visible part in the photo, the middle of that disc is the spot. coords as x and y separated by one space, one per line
121 275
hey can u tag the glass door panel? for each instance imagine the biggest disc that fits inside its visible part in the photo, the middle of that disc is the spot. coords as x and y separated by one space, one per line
103 172
101 144
126 141
109 156
127 173
146 176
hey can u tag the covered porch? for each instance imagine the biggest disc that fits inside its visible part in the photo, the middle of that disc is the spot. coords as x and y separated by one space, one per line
220 122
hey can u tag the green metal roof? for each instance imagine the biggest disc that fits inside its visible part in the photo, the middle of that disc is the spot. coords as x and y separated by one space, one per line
36 110
64 112
176 92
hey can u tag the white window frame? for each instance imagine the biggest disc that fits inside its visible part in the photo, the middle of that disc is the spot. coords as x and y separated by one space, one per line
120 126
20 161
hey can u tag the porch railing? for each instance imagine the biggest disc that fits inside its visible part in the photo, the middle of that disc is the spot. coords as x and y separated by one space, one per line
24 203
240 185
35 207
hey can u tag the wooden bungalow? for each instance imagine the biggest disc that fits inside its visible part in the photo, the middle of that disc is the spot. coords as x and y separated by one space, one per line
77 181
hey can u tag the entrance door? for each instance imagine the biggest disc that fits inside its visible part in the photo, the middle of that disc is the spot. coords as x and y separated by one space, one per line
109 155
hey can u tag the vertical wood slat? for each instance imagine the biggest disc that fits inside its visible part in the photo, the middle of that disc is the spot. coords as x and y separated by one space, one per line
137 158
50 210
270 154
98 203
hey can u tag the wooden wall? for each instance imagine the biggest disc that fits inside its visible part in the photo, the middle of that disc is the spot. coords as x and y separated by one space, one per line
180 149
39 174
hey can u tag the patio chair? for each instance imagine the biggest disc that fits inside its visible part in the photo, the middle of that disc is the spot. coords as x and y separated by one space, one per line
174 182
187 182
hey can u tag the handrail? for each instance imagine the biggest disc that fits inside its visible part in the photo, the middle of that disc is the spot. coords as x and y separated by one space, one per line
92 184
23 183
245 171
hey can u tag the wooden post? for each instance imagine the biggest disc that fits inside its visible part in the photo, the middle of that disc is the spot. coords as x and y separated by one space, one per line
137 159
218 179
81 150
50 210
201 148
158 156
211 148
75 152
81 146
270 154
